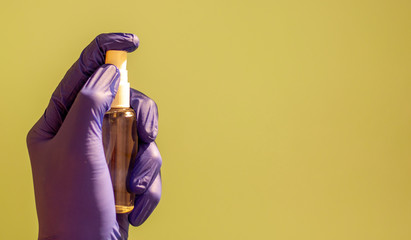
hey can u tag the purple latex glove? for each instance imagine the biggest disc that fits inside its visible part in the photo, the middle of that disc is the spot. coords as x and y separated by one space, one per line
74 195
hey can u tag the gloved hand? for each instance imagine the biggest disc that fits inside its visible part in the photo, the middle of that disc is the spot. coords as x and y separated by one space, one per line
73 191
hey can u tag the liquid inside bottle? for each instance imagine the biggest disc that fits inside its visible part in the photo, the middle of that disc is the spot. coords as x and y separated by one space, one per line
120 144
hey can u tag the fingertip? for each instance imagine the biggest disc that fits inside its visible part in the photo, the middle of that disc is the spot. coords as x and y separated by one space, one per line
149 129
146 170
103 77
145 204
113 76
147 116
118 41
115 79
111 69
135 40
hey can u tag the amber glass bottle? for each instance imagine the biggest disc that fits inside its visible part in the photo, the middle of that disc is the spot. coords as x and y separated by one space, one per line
120 144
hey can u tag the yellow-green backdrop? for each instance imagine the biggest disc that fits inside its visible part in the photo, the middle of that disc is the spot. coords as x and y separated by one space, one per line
281 120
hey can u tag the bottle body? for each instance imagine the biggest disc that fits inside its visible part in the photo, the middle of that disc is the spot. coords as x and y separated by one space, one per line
120 145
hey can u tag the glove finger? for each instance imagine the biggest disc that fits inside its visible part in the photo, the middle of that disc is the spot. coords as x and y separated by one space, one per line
90 60
84 120
146 116
145 169
145 204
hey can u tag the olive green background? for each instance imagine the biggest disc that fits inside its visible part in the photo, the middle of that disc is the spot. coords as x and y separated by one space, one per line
278 119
